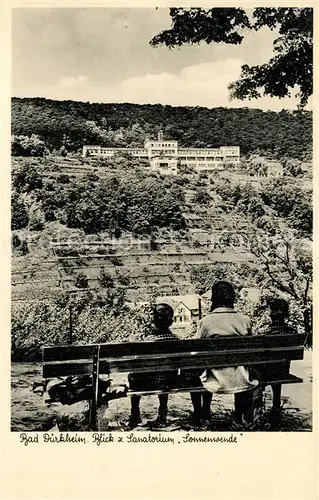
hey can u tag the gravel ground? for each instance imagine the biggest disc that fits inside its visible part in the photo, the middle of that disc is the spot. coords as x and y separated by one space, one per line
30 413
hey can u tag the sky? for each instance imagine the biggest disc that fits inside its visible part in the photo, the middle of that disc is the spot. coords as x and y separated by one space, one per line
103 55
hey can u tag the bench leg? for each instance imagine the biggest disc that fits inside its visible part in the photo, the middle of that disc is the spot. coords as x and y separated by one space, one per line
276 391
93 423
248 406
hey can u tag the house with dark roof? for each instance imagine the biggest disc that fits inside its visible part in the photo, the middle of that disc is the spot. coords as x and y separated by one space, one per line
186 307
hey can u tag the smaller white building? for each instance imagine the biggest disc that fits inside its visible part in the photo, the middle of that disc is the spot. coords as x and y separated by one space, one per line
186 308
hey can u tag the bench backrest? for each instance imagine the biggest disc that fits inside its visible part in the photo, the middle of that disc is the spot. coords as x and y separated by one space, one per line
64 360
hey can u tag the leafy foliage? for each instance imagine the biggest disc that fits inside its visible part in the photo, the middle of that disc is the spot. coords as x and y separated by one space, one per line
202 197
23 145
286 261
36 220
19 214
291 65
81 281
95 318
105 279
196 25
275 198
240 275
137 202
26 178
251 129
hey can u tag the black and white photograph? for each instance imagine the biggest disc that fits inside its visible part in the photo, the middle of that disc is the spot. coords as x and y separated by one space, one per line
161 220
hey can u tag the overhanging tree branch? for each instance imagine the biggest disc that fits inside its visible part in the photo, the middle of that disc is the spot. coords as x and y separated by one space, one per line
289 71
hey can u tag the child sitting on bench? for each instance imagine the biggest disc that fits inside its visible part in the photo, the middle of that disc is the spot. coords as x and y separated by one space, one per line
279 313
162 320
223 321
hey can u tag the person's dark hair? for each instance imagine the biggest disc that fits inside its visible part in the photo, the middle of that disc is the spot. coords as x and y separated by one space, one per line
279 306
223 295
163 314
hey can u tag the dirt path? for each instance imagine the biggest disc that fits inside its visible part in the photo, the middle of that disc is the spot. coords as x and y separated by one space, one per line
30 413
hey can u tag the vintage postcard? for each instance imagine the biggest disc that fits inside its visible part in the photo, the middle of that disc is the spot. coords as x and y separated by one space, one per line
159 285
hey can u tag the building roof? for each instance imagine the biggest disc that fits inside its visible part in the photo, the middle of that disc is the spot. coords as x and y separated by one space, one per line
190 301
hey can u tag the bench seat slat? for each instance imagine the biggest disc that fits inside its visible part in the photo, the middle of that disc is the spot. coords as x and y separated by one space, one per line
212 344
286 379
112 350
289 379
214 360
174 361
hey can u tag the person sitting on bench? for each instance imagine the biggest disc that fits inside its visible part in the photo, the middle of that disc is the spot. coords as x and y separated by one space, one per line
279 314
162 320
224 321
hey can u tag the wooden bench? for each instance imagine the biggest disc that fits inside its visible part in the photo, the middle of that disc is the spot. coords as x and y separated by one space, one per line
172 355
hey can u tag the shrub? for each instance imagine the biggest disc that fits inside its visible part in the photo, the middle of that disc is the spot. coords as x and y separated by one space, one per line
20 244
81 281
105 279
202 197
19 214
63 179
36 221
24 247
15 241
26 178
95 319
124 280
23 145
116 261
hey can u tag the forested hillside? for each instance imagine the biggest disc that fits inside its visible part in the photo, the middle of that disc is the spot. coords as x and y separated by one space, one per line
284 133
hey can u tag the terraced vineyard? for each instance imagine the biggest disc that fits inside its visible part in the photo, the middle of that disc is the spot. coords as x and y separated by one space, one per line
130 265
139 266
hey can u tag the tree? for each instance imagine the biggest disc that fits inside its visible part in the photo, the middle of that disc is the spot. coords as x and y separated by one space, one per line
105 279
63 151
19 244
301 217
287 265
36 219
153 243
256 207
293 167
291 65
291 203
202 197
15 241
63 179
204 276
251 129
27 146
81 281
19 214
26 178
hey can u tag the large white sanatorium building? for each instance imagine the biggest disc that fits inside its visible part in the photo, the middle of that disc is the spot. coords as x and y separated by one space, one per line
164 155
